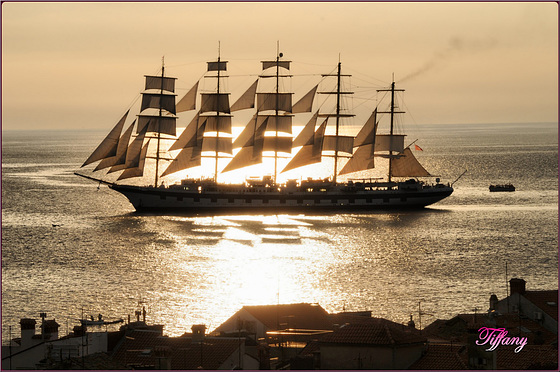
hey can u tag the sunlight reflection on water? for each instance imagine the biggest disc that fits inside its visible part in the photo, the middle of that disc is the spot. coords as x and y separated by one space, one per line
103 258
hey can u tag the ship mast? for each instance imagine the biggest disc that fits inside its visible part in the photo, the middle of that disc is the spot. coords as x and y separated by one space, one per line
217 120
392 112
159 122
337 143
276 111
337 122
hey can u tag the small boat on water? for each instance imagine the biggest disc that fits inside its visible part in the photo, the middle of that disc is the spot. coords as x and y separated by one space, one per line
100 321
503 188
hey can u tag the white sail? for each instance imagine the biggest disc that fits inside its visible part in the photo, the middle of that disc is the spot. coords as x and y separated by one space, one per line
305 104
190 143
157 101
137 171
188 158
251 152
217 66
108 147
307 132
161 124
160 83
339 143
387 142
220 123
215 102
366 136
406 165
277 144
247 99
133 153
245 157
217 144
280 123
193 141
274 101
188 102
249 131
362 159
187 136
269 64
311 152
120 157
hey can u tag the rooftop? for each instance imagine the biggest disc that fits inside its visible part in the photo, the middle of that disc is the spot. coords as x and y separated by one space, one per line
300 316
375 331
143 348
455 329
443 357
547 301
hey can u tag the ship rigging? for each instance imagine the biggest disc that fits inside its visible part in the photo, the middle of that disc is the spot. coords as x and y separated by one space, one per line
269 131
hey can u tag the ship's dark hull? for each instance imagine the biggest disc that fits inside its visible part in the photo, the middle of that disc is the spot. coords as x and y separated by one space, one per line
177 200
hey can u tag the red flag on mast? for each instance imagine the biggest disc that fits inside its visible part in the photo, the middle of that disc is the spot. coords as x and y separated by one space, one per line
418 148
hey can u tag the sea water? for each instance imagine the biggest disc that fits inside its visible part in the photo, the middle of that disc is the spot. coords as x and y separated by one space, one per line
72 248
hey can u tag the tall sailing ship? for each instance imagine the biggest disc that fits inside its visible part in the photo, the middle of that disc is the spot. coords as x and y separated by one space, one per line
268 134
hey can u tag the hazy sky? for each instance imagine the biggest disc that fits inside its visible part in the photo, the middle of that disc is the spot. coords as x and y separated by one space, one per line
80 65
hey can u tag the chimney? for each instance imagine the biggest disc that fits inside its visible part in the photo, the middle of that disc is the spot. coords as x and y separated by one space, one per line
517 286
27 331
198 331
411 323
493 302
79 331
50 329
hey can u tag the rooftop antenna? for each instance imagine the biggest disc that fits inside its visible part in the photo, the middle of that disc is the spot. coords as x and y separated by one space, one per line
43 316
507 289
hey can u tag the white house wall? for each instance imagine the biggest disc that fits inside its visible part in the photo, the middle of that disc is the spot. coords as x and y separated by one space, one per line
518 302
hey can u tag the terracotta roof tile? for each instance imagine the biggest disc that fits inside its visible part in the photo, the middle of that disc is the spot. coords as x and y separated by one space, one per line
299 316
530 357
443 357
376 331
455 329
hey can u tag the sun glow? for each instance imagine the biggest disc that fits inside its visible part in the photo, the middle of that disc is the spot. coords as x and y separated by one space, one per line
263 256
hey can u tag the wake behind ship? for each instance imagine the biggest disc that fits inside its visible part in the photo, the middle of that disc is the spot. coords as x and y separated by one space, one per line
267 134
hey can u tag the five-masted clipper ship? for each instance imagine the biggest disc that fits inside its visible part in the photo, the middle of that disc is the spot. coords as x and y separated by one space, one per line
267 134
